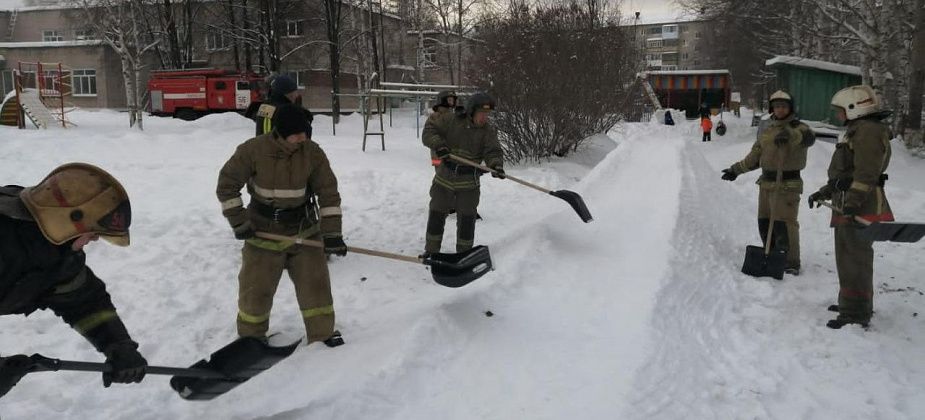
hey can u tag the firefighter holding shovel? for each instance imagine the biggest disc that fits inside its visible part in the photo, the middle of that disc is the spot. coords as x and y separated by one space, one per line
857 174
780 151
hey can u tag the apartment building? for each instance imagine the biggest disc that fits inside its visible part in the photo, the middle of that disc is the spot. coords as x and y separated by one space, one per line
675 45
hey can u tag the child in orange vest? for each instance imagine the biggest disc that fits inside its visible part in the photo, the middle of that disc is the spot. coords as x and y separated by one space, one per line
707 125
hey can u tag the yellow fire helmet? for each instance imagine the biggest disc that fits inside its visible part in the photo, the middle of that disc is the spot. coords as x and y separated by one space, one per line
78 198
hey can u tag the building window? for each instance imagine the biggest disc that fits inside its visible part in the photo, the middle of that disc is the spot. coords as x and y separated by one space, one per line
696 62
294 28
697 34
52 36
684 56
83 82
670 42
655 31
429 57
299 76
83 35
654 43
696 48
216 41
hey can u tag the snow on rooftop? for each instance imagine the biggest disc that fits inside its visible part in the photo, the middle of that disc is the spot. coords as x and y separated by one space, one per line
814 64
685 72
39 44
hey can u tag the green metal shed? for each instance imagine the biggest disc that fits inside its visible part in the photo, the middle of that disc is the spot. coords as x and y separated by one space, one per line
812 84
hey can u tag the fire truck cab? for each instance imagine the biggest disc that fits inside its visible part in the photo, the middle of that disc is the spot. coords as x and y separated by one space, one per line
190 94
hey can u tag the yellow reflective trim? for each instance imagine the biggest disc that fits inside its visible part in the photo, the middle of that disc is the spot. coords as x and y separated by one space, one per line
451 185
267 125
330 211
861 186
72 285
323 310
272 245
253 319
94 320
232 203
278 193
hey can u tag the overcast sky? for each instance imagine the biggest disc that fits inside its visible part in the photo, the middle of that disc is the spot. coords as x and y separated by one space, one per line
651 11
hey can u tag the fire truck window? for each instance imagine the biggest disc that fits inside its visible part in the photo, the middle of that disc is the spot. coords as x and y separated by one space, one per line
243 86
219 85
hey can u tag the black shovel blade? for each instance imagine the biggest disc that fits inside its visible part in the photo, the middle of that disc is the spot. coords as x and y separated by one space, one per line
893 232
576 202
759 264
239 361
460 269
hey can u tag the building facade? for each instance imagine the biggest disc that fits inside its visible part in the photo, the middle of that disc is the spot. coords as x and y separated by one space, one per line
675 45
57 34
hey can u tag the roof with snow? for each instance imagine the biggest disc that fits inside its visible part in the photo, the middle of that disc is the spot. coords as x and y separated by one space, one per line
684 72
813 64
58 44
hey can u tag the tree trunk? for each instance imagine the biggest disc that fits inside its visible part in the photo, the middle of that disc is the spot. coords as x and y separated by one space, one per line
913 132
332 11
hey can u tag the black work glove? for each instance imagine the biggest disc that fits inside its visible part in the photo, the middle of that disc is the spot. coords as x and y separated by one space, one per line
498 172
729 175
12 369
335 245
782 138
244 231
824 194
442 152
126 362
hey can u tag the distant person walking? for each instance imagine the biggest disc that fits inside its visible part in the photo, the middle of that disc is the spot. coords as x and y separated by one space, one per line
707 125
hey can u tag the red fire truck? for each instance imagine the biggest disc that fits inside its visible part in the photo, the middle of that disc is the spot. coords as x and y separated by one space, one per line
190 94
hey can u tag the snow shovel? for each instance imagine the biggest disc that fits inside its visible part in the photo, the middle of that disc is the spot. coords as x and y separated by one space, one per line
450 270
767 262
234 364
571 197
229 367
886 231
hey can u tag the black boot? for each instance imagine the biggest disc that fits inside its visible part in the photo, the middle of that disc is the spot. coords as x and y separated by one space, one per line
837 323
334 340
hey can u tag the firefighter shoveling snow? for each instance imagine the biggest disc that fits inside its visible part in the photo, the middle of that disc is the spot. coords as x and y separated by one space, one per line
643 313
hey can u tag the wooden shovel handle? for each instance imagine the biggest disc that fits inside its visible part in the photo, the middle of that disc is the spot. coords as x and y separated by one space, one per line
506 176
858 219
319 244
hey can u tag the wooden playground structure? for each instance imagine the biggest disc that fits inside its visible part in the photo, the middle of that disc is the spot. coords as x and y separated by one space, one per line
39 92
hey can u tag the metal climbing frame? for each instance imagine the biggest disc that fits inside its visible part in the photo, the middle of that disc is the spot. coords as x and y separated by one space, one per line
412 91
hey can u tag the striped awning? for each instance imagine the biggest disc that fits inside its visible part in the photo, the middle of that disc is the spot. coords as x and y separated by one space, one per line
690 82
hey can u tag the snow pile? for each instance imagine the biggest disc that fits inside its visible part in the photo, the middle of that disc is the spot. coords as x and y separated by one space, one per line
640 314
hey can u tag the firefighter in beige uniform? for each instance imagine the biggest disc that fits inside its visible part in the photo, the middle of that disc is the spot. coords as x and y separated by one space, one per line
857 175
784 139
281 169
470 135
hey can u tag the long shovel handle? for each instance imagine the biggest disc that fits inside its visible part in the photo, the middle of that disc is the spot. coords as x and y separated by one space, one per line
858 219
487 169
46 364
778 179
319 244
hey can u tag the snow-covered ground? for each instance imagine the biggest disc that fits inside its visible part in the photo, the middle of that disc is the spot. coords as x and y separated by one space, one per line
642 313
